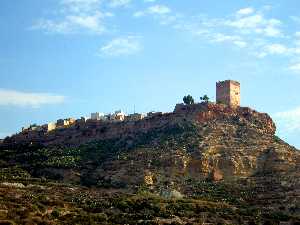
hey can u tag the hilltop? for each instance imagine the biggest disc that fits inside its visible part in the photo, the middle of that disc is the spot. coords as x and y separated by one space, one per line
210 152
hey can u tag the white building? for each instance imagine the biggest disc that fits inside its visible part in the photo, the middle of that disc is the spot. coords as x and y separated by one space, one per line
97 116
49 127
135 117
65 122
119 116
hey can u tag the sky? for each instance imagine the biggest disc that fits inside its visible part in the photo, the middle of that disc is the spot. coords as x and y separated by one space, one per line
68 58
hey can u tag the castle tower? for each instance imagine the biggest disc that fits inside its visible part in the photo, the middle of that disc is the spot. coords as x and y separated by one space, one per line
228 93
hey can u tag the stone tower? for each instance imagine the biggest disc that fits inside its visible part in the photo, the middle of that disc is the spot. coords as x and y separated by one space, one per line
228 93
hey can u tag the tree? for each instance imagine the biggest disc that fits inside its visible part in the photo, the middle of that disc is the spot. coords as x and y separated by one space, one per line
189 100
205 98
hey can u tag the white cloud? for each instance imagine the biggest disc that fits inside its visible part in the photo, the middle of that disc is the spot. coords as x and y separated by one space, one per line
241 44
246 22
295 68
119 3
245 11
234 39
291 50
277 49
90 22
162 13
247 28
122 46
289 119
51 26
272 31
80 3
17 98
80 6
76 16
74 23
159 9
255 23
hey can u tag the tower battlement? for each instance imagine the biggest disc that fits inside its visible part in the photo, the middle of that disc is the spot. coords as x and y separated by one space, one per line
228 93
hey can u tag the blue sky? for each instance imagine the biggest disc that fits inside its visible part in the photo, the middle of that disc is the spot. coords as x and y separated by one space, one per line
67 58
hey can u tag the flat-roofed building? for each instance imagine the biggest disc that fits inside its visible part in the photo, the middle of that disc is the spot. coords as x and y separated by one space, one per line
49 127
33 127
61 123
65 122
70 121
25 129
118 116
135 117
97 116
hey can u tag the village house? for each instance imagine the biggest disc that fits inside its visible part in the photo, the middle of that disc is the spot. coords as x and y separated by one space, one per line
135 117
81 120
98 116
49 127
24 129
71 121
95 116
32 127
65 122
61 123
118 116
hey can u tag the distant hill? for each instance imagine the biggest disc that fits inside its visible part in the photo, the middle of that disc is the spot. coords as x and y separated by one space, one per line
207 152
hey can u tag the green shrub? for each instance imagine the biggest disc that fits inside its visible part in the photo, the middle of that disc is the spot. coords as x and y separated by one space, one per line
55 213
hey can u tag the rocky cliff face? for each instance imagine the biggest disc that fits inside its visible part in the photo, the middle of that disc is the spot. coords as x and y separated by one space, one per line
202 150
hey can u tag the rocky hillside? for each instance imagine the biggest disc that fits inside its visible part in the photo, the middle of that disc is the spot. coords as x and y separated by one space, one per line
203 152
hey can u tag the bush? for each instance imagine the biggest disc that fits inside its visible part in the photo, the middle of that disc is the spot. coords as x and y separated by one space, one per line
188 100
55 213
